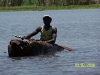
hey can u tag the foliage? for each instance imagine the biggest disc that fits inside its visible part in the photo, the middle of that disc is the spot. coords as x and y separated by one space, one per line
46 2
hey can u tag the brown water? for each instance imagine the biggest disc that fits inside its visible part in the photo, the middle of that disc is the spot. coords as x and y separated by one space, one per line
78 29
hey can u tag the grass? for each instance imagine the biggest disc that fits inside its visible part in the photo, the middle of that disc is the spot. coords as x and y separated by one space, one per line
41 8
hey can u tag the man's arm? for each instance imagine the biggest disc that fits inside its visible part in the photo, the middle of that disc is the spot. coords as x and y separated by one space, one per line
33 33
54 35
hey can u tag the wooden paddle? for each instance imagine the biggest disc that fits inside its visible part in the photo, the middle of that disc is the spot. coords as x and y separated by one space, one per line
67 48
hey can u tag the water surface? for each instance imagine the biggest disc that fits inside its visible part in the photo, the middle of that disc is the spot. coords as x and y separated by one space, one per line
78 29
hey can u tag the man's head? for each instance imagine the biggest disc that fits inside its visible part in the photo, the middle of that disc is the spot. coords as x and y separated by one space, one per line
47 19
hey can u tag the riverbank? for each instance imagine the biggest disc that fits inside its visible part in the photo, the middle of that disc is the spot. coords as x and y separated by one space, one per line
41 8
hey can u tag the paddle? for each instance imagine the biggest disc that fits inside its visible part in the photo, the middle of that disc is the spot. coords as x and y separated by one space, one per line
67 48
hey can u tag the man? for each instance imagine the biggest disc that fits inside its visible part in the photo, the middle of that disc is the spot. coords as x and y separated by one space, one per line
48 32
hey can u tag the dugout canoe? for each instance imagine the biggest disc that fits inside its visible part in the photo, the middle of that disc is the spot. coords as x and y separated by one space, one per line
31 47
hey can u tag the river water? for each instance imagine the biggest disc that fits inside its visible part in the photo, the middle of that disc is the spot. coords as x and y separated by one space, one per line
77 29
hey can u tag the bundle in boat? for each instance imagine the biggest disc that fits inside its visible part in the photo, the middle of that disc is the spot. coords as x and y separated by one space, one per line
31 47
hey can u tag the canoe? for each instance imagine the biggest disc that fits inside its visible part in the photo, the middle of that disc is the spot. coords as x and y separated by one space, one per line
31 47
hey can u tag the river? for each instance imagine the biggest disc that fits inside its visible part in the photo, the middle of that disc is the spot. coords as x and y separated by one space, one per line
77 29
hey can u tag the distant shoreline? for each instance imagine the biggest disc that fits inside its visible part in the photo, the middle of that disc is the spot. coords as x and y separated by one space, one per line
42 8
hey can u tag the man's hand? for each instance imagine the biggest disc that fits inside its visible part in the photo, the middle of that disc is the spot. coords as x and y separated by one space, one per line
22 37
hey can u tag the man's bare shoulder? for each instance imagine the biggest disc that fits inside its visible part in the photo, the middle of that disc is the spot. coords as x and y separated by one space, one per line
39 28
54 29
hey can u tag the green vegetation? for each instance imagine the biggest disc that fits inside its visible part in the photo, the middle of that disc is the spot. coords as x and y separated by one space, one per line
21 5
41 8
8 3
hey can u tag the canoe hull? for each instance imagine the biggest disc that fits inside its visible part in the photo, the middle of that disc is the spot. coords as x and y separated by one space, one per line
18 48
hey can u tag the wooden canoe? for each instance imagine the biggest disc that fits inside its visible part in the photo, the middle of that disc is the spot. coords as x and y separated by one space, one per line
31 47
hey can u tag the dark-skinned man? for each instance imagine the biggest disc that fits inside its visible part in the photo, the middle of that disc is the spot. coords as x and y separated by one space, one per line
48 32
